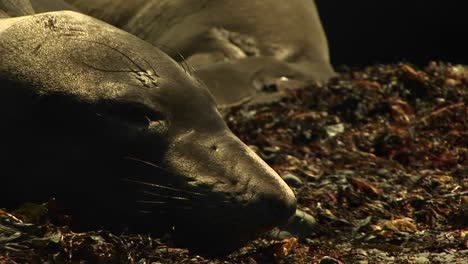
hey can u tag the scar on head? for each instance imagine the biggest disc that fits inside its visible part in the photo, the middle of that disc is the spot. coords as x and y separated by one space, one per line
146 74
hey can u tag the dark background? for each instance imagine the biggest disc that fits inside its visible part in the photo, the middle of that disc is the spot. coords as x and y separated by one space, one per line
364 32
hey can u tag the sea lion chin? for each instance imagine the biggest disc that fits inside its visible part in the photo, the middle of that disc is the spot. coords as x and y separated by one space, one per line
124 137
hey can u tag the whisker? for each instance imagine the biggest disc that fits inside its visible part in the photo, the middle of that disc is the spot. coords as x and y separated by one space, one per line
183 63
185 66
193 206
167 197
164 187
170 206
151 202
148 163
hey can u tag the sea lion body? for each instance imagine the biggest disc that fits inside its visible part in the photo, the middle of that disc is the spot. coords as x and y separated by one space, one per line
235 46
119 133
12 8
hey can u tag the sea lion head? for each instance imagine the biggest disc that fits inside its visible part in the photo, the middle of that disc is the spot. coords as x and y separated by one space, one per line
125 137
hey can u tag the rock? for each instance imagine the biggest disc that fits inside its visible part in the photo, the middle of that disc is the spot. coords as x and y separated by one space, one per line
333 130
278 235
422 260
292 180
329 260
300 225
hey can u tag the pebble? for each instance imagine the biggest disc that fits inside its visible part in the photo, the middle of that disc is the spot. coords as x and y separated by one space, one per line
422 260
301 225
329 260
383 172
293 180
333 130
279 235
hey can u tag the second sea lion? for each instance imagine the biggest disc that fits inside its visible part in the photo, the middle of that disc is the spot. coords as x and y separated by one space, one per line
235 46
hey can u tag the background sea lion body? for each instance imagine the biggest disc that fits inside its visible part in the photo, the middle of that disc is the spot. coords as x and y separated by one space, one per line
124 137
12 8
235 46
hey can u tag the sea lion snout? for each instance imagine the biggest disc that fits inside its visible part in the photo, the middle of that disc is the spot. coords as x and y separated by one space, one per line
228 168
245 196
267 194
282 204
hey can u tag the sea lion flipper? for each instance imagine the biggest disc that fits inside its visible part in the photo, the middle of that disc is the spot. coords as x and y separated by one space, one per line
239 81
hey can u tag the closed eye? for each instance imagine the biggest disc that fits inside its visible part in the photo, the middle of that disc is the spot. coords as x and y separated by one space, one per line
135 114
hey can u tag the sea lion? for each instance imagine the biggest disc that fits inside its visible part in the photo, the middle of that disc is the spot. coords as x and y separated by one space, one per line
42 6
235 46
15 8
124 137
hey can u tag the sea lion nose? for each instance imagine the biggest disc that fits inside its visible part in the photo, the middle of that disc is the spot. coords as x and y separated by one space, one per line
268 193
285 207
280 203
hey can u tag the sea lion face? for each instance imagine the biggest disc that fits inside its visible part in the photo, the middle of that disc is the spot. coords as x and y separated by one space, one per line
124 137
